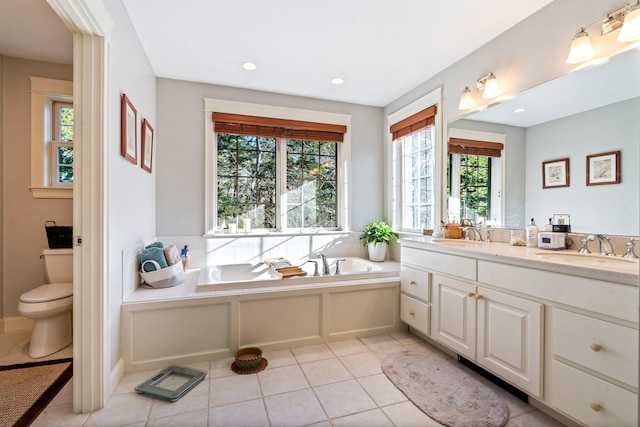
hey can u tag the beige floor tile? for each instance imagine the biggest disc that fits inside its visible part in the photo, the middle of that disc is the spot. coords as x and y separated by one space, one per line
196 399
406 337
128 382
311 353
249 413
373 418
345 398
347 347
59 416
363 364
382 390
297 408
325 371
534 419
407 414
192 419
64 396
282 380
238 388
280 358
122 409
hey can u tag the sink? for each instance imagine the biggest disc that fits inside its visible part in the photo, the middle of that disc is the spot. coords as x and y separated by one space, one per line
459 242
593 260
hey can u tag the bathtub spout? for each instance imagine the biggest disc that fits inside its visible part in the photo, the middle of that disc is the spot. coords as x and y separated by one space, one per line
325 265
315 263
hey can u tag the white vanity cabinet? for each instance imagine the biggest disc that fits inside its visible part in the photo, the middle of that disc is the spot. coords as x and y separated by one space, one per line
501 332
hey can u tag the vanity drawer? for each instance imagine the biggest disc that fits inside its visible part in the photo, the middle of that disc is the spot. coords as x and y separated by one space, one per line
591 400
602 346
415 282
461 267
415 313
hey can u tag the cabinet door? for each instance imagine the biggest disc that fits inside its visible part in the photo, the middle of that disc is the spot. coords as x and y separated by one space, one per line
454 315
510 338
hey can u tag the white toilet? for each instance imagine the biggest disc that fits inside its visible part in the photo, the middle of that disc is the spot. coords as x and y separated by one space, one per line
50 305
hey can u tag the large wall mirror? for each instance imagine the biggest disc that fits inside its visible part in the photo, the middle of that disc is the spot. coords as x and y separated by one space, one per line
591 111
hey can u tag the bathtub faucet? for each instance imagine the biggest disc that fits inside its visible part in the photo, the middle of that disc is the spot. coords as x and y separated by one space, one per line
325 265
315 264
338 261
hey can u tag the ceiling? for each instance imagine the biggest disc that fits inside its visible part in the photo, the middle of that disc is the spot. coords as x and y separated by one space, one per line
381 48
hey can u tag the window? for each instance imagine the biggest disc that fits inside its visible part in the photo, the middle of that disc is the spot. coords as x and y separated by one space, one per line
414 139
473 180
61 147
281 174
52 135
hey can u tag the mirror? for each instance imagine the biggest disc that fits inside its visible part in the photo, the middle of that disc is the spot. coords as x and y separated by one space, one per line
589 111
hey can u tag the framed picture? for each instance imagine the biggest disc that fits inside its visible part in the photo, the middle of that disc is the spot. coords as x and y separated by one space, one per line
129 125
603 168
147 146
555 173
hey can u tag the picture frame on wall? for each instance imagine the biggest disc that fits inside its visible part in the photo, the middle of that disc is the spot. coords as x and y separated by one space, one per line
555 173
146 150
129 128
603 168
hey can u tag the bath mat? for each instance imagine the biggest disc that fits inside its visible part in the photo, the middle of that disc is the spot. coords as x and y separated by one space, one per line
444 391
26 389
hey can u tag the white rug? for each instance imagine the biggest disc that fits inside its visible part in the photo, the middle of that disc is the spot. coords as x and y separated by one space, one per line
444 391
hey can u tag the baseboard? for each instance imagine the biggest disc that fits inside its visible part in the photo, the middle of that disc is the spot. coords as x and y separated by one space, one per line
15 323
116 375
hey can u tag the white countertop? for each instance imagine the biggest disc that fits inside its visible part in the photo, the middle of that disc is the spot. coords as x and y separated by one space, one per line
593 266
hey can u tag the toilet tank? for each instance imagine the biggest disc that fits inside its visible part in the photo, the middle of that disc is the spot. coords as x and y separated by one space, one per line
58 265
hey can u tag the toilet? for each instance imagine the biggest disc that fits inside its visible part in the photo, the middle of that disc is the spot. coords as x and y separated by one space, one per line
50 305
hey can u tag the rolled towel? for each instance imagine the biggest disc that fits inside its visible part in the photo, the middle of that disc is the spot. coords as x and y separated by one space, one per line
172 254
155 245
153 253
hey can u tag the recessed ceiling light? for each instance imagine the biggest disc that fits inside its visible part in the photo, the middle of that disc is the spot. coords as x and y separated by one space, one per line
519 110
249 66
337 81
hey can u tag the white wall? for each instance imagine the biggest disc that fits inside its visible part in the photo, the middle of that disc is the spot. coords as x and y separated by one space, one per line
180 154
131 194
606 209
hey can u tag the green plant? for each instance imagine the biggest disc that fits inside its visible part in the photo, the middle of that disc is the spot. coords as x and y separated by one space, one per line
378 232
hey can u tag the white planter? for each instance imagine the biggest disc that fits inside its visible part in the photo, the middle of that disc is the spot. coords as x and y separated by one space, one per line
377 251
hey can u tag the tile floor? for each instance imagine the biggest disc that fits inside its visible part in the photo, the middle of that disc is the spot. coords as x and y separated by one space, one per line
336 384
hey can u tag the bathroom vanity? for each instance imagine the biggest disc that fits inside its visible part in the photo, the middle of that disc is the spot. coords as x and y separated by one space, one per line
561 328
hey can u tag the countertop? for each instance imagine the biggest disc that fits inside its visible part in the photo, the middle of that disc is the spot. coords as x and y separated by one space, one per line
619 270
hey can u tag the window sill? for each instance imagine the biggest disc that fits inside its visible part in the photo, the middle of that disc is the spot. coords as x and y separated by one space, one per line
242 234
52 192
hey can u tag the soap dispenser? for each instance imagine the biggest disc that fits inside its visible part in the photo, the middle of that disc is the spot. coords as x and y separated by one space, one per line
532 234
549 226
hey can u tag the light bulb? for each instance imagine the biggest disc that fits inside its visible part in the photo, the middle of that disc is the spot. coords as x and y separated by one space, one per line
581 49
466 100
491 87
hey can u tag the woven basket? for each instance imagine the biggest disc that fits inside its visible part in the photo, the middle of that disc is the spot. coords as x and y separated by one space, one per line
58 236
162 277
452 231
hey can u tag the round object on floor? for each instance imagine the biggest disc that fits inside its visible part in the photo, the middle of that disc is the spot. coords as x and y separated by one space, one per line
248 360
263 364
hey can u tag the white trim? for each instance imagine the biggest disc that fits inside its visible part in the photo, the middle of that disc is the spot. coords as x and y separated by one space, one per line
91 26
272 111
52 192
391 170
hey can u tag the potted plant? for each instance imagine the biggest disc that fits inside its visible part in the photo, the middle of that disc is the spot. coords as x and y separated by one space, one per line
376 236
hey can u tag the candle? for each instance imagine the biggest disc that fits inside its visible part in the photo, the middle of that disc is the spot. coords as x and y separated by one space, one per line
232 228
246 225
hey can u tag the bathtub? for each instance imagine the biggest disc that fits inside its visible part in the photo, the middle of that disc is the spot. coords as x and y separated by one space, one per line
259 275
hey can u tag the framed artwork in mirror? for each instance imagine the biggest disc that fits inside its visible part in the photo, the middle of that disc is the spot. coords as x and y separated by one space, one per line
146 150
555 173
129 128
603 168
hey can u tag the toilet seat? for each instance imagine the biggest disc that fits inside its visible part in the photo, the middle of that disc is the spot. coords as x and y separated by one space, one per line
47 293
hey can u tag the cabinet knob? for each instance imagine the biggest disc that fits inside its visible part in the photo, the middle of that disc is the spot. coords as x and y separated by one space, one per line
478 296
595 406
596 347
413 282
412 313
471 295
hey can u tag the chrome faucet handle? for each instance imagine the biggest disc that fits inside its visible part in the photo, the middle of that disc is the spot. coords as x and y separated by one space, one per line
630 253
584 240
338 261
487 239
315 264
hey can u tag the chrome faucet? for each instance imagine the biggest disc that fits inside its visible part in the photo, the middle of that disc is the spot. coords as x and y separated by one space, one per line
602 239
584 240
325 265
630 246
487 239
476 233
315 264
338 261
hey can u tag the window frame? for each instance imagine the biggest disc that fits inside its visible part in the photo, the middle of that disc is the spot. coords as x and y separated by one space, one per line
56 142
394 204
44 92
270 111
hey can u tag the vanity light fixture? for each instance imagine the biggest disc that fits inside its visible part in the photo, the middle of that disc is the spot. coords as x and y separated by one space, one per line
337 81
489 87
625 18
